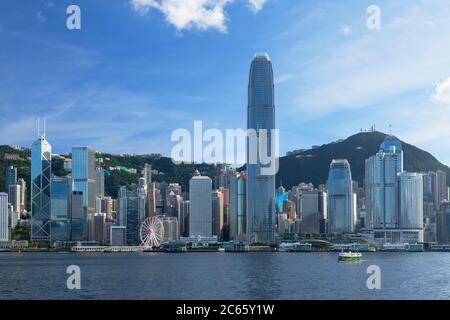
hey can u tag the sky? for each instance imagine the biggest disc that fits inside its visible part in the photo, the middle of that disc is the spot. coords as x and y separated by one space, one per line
139 69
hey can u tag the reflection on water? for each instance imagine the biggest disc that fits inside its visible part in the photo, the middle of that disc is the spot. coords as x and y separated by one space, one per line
223 276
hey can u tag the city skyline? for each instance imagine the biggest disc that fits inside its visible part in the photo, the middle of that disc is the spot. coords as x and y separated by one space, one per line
240 152
138 109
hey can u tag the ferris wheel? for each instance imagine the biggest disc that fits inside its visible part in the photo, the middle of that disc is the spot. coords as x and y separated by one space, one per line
152 232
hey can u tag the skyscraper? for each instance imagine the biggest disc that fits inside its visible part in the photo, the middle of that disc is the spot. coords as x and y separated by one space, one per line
382 170
121 219
392 144
10 177
183 218
23 194
443 223
60 209
260 187
411 206
4 231
99 182
233 205
84 175
441 188
151 200
147 173
14 199
217 213
41 170
131 212
200 206
78 217
341 213
313 212
242 207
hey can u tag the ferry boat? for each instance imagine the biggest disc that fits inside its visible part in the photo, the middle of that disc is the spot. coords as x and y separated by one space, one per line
394 247
415 247
349 256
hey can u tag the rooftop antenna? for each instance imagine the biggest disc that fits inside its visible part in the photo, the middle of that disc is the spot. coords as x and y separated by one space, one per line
38 127
390 129
45 120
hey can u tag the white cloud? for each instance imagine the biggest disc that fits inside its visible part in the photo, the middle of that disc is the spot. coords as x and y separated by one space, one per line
404 57
256 5
397 75
193 14
442 92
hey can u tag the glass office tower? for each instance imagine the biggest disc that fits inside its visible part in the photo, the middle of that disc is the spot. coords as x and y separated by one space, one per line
41 170
60 210
393 145
78 217
340 198
411 201
260 187
382 172
84 175
10 177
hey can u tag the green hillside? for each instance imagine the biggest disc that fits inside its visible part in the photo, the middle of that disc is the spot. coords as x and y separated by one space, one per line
312 165
169 172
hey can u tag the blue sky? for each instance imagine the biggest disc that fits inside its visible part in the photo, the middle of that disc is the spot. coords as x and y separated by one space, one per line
140 69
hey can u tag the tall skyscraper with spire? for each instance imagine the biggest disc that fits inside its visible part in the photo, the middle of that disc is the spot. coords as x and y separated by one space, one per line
260 187
41 171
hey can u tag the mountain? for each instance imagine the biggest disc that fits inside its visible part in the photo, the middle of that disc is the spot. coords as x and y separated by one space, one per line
312 165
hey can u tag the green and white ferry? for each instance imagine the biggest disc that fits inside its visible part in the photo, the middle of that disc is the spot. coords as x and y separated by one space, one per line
350 256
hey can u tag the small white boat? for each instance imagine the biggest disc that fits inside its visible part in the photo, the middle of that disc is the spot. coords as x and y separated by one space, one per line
221 250
350 256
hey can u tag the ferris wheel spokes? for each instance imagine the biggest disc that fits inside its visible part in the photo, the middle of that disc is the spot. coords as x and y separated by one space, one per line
152 232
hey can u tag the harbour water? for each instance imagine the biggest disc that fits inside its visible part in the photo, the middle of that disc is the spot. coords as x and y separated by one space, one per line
223 276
